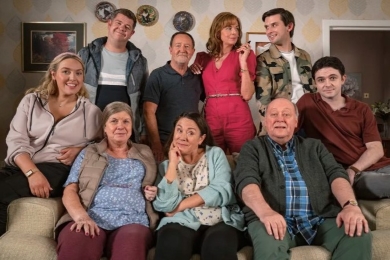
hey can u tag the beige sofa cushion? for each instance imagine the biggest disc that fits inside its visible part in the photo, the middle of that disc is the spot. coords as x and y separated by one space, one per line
245 253
34 216
377 213
310 252
14 245
32 220
381 245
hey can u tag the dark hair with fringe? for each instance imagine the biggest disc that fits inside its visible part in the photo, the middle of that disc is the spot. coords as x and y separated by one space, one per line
202 125
328 62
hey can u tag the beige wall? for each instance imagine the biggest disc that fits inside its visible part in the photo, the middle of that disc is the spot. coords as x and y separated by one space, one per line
154 40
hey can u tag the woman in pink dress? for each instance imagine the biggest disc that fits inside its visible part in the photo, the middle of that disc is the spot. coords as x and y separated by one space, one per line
228 71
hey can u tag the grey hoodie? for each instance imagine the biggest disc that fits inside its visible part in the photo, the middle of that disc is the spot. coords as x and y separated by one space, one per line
136 76
34 131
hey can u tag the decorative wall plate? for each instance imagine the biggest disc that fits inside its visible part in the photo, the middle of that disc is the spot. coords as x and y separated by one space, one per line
147 15
103 11
183 21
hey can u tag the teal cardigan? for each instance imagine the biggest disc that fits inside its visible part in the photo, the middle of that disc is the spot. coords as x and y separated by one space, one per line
219 192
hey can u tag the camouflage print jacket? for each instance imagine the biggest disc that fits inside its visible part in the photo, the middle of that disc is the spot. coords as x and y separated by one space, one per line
274 77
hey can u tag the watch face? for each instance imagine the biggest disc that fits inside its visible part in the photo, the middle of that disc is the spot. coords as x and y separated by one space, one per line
353 202
29 173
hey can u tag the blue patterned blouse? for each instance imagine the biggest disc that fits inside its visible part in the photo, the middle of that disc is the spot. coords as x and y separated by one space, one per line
119 199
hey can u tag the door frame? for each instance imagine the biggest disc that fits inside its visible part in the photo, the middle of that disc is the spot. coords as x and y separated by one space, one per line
349 25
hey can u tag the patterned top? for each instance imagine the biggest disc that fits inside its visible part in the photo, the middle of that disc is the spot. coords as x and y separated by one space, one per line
300 216
192 178
119 199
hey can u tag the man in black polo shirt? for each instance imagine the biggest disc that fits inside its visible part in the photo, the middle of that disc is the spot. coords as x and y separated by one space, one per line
171 90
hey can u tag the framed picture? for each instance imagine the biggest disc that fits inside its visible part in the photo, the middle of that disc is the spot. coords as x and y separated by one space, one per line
42 41
259 41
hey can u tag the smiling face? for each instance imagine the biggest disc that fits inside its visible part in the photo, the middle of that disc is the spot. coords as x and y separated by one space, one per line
277 32
328 82
230 33
69 77
118 128
181 50
120 28
281 120
187 136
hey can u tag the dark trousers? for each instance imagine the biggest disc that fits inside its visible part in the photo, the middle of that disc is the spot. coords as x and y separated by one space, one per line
373 185
329 236
14 185
127 242
219 242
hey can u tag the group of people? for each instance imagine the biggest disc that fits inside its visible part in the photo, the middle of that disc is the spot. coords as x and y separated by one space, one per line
94 128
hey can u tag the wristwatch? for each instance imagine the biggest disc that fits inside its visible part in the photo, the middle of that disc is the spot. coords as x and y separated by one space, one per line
356 170
350 202
30 172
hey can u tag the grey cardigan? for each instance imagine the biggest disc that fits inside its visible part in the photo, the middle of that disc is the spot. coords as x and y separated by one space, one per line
257 165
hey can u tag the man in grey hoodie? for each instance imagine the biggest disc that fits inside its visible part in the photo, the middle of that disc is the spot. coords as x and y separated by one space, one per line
115 68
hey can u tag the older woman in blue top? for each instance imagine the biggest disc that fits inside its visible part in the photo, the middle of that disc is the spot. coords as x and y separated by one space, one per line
195 193
108 195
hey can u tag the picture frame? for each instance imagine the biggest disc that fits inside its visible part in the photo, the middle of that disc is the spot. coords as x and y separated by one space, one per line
42 41
259 41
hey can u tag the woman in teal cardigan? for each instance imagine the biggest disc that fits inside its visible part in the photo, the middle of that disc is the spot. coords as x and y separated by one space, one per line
195 194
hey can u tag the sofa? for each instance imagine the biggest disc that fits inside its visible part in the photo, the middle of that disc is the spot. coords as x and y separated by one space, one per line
31 221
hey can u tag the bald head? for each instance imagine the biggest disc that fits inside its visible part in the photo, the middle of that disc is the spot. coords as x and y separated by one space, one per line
281 119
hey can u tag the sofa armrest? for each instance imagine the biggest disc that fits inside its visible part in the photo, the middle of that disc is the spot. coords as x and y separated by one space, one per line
377 213
34 216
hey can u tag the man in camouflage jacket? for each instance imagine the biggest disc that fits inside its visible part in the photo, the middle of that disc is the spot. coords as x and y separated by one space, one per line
283 70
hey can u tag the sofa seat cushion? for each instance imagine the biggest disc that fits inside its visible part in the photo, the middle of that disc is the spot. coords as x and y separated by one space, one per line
310 252
22 246
245 253
34 216
377 213
380 244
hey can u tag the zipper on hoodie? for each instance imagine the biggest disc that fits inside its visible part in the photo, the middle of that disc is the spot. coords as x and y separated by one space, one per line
51 133
132 79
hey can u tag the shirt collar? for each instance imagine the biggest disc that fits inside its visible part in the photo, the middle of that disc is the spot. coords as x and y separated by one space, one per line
275 53
290 145
349 102
171 71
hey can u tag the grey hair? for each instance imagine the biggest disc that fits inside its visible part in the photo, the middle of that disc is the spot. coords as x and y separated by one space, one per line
116 107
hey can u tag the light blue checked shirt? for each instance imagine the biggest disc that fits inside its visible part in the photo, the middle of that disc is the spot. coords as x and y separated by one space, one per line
299 215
